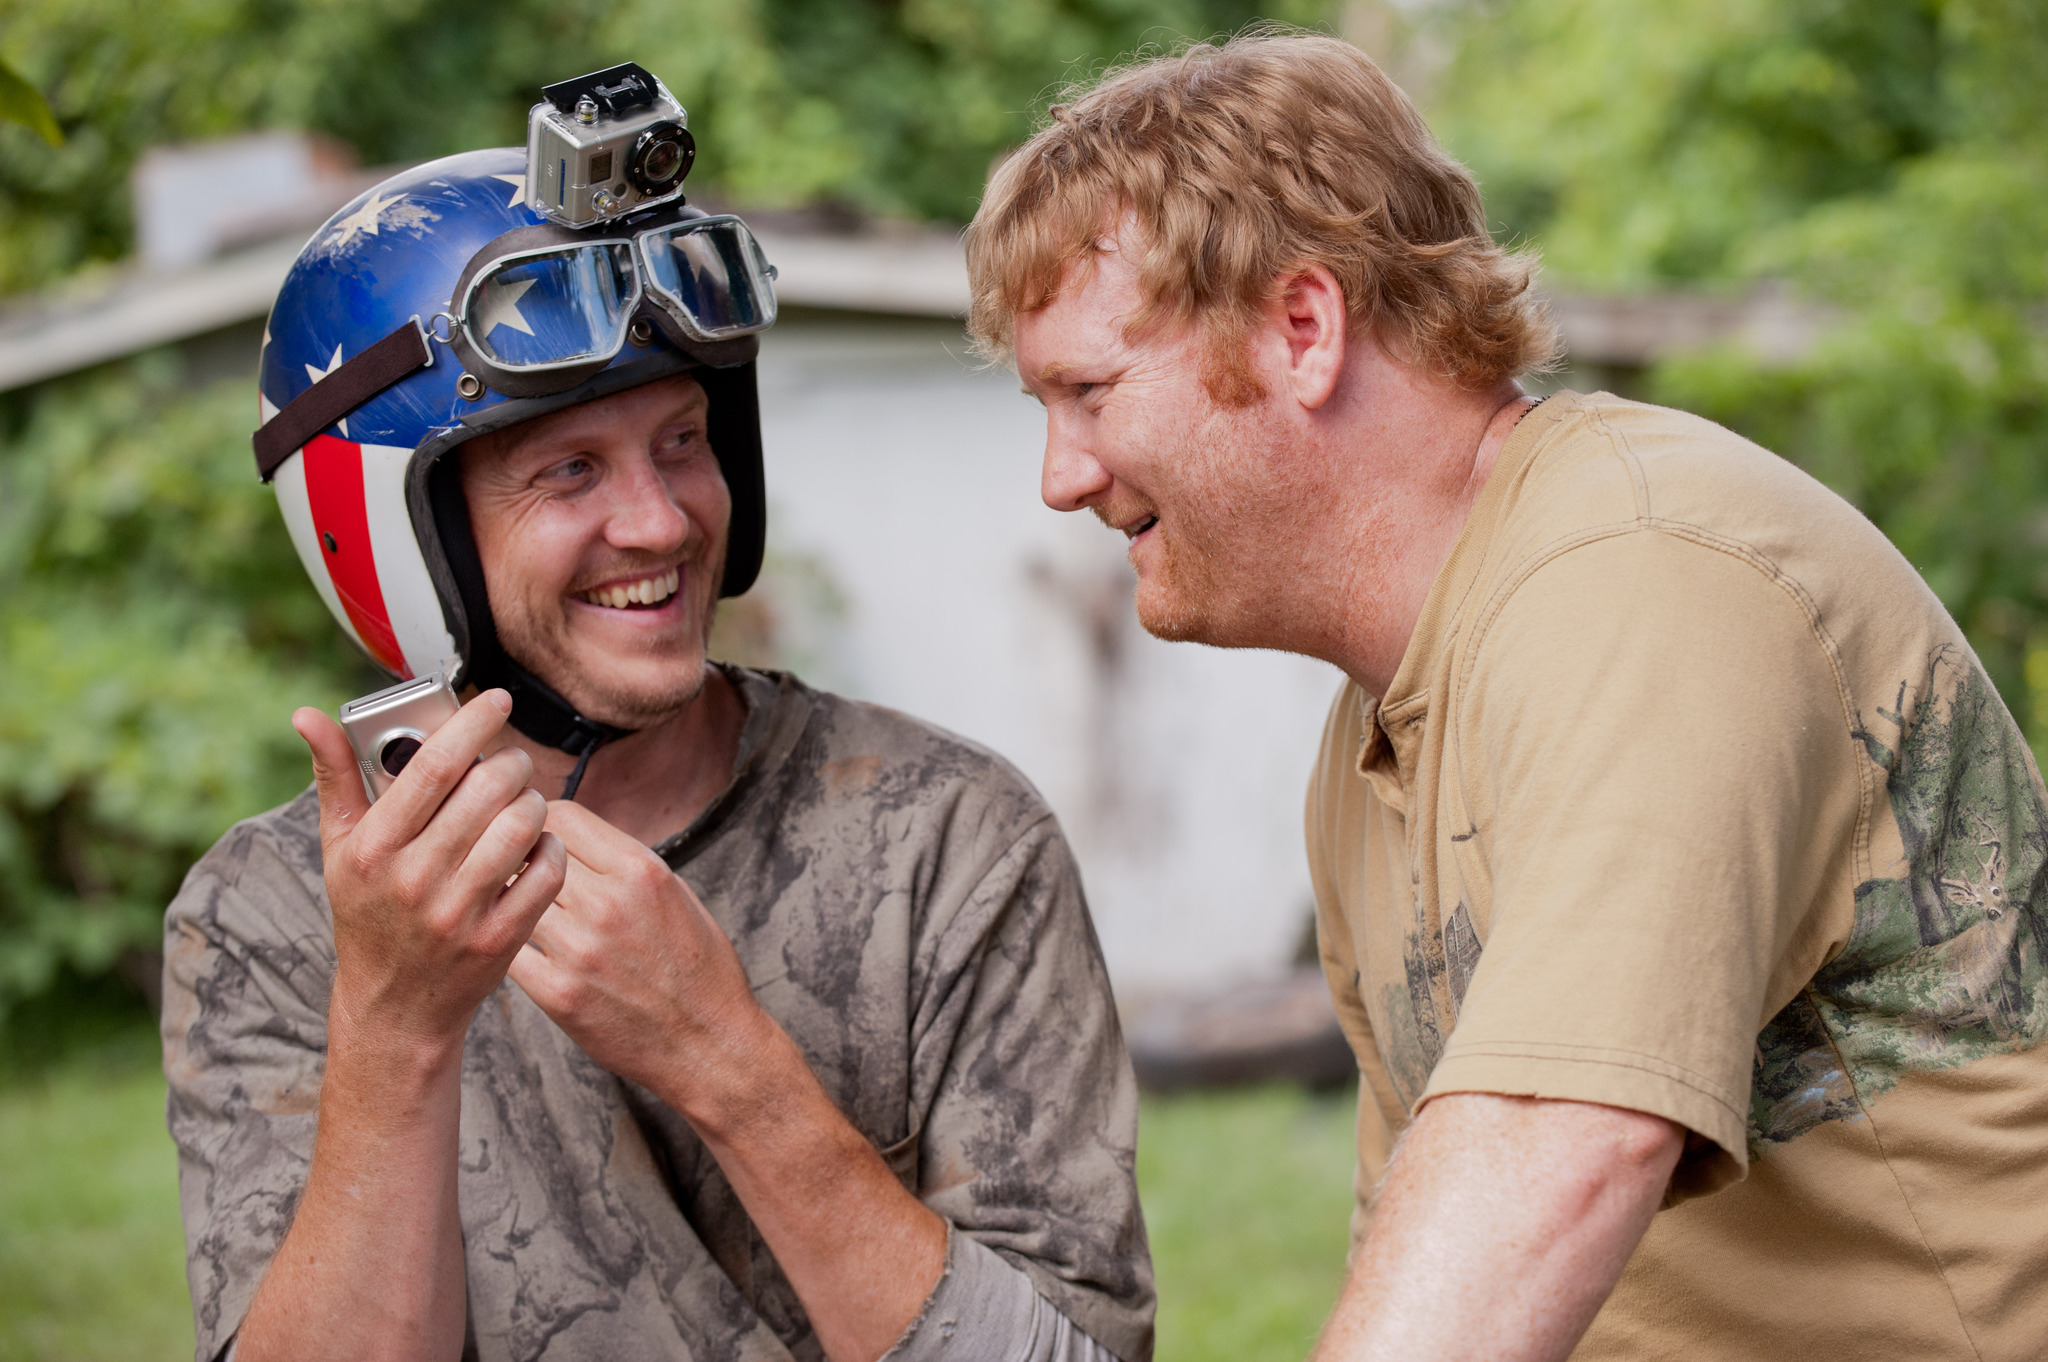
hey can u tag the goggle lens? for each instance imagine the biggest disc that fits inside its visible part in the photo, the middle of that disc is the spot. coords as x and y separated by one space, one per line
711 276
565 307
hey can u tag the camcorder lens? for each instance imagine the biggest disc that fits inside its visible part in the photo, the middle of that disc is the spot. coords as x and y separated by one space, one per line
397 753
664 159
661 157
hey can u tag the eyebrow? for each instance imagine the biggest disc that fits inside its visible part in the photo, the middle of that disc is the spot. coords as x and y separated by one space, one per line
1058 373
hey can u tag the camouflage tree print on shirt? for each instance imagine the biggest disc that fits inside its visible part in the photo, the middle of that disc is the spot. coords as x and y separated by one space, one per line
903 905
1422 1009
1945 963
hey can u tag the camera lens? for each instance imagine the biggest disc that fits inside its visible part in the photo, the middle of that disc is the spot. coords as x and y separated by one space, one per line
662 161
397 753
661 157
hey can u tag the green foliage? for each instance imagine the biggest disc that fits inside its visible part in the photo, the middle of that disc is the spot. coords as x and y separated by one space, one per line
155 628
19 103
1652 143
155 633
1885 159
887 106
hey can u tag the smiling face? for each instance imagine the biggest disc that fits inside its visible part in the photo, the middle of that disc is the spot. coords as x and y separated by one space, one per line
602 533
1135 432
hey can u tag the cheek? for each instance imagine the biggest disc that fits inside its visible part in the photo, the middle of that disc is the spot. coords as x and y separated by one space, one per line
700 492
528 556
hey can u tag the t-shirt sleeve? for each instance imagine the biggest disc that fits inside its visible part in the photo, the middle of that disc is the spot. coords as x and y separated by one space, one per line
1659 767
986 1310
1029 1135
248 959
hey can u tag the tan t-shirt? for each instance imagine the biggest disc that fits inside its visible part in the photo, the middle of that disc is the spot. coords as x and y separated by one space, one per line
1690 798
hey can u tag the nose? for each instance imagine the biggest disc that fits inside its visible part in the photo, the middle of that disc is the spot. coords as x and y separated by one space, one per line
1072 477
643 514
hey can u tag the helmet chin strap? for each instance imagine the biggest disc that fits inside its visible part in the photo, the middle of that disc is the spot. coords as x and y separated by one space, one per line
538 709
540 712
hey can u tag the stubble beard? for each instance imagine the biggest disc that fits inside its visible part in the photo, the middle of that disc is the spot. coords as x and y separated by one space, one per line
1216 553
549 654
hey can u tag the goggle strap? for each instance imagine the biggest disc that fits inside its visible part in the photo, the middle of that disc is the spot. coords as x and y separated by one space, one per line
399 355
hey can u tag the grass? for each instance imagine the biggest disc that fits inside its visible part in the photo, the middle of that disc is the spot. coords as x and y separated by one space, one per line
1246 1194
92 1259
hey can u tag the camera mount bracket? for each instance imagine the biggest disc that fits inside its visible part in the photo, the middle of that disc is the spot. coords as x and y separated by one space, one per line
616 90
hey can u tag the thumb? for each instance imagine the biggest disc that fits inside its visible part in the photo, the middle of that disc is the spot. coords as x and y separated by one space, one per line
339 783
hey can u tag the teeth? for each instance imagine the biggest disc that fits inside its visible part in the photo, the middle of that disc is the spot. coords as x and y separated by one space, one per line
646 591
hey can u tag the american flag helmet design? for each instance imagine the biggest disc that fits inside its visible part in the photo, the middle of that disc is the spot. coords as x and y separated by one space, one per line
372 508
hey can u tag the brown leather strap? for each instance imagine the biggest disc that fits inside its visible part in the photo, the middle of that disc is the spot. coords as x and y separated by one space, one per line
400 354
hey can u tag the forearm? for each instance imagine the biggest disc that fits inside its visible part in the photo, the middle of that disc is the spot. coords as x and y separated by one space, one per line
1501 1228
373 1264
861 1252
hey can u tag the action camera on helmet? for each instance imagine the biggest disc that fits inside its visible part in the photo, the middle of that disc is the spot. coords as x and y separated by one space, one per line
604 145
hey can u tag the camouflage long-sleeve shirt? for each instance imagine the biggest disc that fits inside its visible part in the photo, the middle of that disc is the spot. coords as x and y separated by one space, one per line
904 906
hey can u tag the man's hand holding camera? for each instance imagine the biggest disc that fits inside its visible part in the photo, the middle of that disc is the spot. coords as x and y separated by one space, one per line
462 873
433 889
425 921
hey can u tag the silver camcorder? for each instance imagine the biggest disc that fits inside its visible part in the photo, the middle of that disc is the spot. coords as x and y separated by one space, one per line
604 145
387 728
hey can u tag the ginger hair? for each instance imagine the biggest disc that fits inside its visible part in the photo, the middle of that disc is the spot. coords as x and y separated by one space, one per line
1225 168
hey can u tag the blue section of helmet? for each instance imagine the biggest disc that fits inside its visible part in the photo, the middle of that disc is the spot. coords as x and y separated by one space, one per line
394 253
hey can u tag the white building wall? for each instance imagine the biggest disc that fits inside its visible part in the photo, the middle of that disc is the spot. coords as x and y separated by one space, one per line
911 478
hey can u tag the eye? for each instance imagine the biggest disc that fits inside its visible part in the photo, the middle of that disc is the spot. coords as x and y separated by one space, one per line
572 469
679 440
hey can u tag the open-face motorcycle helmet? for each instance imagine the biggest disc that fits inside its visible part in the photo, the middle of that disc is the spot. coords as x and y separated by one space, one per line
437 307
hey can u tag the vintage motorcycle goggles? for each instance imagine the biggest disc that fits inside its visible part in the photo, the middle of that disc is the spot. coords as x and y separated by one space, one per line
541 308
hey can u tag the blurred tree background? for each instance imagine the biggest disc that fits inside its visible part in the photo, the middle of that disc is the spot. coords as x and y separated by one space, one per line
155 627
1884 159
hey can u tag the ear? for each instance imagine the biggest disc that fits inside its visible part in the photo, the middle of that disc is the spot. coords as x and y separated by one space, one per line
1311 314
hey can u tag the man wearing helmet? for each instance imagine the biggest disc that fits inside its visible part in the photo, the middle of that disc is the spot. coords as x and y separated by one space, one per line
739 1047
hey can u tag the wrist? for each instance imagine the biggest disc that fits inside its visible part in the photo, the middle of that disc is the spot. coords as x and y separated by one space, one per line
364 1046
757 1082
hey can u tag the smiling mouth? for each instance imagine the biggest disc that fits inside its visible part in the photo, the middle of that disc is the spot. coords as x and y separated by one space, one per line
644 594
1138 527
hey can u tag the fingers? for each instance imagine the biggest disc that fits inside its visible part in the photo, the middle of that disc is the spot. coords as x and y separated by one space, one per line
485 793
438 767
336 778
569 943
596 843
544 981
520 908
504 844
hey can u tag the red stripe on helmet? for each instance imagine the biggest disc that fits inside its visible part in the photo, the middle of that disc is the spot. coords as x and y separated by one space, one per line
334 492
